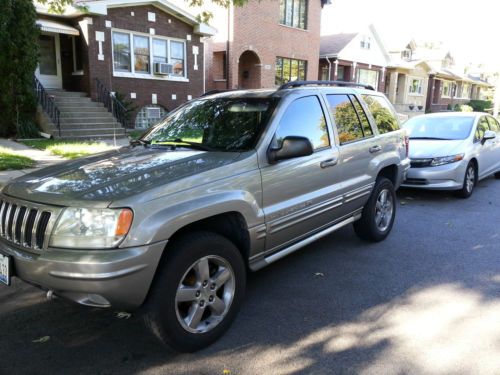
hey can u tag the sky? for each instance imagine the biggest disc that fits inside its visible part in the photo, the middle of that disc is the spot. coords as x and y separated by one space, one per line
470 29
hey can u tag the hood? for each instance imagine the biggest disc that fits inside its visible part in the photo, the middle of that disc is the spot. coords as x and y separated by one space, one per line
432 148
114 175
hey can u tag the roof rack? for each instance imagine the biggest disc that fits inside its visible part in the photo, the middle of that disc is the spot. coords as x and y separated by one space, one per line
294 84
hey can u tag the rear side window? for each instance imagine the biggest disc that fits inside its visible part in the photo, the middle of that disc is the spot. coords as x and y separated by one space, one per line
349 117
382 112
494 124
304 118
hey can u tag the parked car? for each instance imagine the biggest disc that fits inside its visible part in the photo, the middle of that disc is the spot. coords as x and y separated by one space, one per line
452 151
228 182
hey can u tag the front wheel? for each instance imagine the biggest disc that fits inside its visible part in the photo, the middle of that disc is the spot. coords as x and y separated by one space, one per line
470 180
197 292
379 212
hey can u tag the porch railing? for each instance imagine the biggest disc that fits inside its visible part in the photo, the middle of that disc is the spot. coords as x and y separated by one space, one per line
48 103
113 105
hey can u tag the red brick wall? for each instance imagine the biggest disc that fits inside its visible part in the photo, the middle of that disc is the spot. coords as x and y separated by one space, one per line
257 28
121 18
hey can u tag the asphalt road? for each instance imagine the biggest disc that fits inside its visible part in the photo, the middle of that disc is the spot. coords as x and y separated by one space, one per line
424 301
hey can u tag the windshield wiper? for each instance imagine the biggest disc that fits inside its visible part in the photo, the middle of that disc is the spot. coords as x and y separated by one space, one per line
137 142
439 139
182 143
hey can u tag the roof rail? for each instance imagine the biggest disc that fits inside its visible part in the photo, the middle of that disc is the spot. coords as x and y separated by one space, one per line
294 84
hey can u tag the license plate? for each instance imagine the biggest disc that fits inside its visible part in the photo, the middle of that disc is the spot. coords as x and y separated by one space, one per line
5 269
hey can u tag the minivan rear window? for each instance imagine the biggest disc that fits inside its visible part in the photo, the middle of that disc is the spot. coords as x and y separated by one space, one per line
382 112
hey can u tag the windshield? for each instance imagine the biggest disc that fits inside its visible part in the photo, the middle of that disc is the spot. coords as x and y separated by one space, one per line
221 124
439 127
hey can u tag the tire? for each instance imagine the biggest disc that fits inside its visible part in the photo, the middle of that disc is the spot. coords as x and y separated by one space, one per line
376 222
196 317
470 180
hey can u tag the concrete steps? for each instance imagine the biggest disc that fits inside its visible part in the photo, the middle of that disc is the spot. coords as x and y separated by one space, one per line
81 118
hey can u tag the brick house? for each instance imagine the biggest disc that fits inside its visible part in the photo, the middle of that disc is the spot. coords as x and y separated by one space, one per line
149 51
263 44
354 57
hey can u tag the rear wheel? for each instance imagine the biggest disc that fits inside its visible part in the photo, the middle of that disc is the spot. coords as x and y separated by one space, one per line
379 212
470 180
197 292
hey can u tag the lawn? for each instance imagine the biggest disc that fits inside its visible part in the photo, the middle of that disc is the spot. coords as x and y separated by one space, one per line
10 160
69 149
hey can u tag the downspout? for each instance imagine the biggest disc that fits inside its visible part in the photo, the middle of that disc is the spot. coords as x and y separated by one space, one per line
329 69
227 45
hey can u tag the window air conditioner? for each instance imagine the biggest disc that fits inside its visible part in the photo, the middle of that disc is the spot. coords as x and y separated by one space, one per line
162 68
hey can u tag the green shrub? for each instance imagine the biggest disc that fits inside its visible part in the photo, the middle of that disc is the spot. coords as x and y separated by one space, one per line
28 129
480 105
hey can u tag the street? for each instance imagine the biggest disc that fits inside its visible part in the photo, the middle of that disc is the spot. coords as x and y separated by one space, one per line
424 301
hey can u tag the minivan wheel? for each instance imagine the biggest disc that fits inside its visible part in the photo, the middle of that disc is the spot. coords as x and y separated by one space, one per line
197 291
497 175
379 212
470 180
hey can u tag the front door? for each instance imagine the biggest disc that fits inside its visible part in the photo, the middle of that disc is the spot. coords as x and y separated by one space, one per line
300 195
49 70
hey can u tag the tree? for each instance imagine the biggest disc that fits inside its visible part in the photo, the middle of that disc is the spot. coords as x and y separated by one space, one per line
58 6
18 61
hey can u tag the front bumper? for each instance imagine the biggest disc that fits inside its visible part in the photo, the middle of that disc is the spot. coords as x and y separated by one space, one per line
117 277
444 177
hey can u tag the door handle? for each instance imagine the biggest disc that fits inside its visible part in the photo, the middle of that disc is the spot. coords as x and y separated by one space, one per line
329 163
375 149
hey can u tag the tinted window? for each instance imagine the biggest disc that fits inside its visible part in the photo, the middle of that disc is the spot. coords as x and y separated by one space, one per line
482 126
382 112
345 116
304 118
367 130
493 124
222 124
439 127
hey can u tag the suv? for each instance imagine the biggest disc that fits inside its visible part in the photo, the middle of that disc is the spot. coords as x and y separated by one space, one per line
226 183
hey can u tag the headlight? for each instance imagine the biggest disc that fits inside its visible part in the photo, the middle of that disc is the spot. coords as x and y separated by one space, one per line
91 228
446 160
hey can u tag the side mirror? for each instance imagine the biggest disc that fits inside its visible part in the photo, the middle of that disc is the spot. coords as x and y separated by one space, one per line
488 134
291 147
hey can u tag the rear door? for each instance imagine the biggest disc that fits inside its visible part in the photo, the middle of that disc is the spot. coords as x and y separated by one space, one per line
358 147
300 195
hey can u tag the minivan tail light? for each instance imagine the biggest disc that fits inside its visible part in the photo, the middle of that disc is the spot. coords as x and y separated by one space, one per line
407 145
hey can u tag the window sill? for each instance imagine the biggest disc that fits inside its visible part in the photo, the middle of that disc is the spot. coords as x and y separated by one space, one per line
77 73
415 95
293 28
220 80
149 76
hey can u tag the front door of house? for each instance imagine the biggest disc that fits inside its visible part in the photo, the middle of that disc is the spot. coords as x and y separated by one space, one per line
49 70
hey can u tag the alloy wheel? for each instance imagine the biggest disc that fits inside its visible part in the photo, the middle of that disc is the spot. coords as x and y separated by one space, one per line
205 294
384 209
470 179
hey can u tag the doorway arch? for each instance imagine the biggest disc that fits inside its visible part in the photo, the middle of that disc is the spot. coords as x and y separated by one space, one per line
249 67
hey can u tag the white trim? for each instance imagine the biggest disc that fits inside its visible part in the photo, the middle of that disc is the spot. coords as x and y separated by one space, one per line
56 27
150 75
409 80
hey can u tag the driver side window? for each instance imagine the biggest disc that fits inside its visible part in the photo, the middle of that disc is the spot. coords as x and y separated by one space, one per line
482 126
305 118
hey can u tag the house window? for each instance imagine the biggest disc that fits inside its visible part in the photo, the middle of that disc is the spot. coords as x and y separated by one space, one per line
365 42
160 51
367 77
141 54
324 73
416 86
406 54
289 70
340 72
147 49
177 58
446 89
293 13
121 52
465 91
149 115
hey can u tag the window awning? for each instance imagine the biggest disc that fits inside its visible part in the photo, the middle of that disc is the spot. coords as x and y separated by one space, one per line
56 27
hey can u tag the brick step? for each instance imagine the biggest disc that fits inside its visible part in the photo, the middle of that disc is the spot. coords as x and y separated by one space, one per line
87 120
69 100
80 131
66 94
91 112
66 107
106 125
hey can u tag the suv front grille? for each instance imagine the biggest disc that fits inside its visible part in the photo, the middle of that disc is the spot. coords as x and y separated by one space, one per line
420 163
25 224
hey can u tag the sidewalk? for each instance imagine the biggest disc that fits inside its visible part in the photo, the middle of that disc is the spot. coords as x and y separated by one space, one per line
42 158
